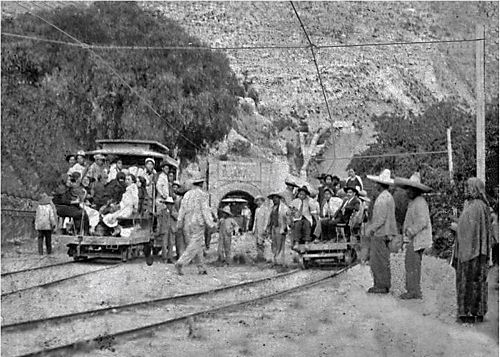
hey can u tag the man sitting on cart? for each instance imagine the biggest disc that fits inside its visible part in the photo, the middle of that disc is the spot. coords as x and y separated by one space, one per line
303 209
350 205
127 206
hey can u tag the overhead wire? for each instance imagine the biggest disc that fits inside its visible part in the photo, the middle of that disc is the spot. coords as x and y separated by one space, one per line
311 46
383 155
111 68
229 48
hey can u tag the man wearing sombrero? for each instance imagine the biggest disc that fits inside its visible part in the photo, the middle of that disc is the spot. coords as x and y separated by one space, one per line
303 210
227 228
417 232
277 227
381 230
259 227
194 216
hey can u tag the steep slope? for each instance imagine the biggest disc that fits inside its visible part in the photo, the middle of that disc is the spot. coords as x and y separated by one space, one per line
359 81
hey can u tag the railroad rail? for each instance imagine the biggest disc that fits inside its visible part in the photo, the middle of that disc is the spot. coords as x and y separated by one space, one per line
50 283
173 310
9 273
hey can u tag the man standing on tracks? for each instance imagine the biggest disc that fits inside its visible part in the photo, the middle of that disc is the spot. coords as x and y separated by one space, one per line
259 227
277 227
194 216
381 230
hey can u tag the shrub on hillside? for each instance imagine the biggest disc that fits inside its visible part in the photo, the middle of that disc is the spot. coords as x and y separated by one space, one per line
58 98
427 133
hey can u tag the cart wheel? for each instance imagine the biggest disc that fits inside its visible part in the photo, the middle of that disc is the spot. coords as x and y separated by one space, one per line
147 253
125 253
349 256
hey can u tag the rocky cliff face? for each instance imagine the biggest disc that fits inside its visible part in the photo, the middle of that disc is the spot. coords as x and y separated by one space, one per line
359 81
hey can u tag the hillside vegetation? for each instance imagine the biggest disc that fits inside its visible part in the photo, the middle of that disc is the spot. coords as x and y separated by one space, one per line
59 98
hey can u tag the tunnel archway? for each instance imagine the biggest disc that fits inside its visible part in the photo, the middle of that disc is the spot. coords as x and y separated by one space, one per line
246 191
236 207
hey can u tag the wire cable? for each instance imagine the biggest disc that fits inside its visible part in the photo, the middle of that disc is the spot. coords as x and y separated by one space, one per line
113 71
382 155
311 46
229 48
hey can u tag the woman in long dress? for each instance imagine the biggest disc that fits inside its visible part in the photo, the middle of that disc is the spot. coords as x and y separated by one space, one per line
471 254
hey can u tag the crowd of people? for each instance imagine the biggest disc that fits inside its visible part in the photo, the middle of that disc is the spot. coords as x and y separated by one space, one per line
100 195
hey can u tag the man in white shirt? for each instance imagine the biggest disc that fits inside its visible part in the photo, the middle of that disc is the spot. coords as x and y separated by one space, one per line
162 185
303 210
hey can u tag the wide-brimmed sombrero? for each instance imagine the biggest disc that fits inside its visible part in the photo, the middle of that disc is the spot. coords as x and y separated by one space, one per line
383 178
305 189
278 194
413 181
356 189
259 197
227 210
290 180
198 178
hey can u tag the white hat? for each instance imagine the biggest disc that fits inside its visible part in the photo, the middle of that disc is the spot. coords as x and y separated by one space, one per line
290 180
259 197
150 159
413 181
227 210
169 200
383 178
198 178
99 157
80 153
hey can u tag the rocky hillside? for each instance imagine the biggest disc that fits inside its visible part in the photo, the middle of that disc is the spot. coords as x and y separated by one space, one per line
359 81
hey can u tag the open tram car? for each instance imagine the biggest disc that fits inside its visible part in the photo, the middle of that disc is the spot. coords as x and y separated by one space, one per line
340 250
138 236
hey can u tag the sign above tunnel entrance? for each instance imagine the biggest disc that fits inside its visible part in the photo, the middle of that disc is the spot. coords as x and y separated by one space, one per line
242 171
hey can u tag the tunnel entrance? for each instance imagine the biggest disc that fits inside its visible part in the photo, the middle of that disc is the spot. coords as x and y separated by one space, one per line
237 200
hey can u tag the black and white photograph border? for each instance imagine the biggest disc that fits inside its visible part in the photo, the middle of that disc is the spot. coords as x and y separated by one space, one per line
249 178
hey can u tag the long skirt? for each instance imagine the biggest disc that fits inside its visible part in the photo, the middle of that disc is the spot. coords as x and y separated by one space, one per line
472 287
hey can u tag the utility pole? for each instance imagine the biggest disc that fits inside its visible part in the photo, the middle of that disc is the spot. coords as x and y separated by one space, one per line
480 106
450 154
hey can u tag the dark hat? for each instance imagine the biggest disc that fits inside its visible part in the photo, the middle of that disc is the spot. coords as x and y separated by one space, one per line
277 194
352 187
336 178
120 175
75 175
329 190
305 189
69 156
163 164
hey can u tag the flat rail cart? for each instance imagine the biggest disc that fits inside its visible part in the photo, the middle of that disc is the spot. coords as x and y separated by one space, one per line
338 251
138 236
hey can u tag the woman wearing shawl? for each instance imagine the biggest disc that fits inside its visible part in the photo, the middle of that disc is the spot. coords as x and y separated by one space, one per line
471 254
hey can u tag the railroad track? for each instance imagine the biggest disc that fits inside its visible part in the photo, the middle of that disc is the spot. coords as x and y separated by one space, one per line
90 328
35 278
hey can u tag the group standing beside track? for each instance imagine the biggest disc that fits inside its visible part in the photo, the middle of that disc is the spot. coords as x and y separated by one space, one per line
98 195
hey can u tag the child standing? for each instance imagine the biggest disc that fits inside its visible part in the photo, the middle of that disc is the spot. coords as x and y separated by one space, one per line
227 227
45 222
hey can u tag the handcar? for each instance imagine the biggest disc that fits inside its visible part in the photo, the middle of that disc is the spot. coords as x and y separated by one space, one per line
340 250
137 236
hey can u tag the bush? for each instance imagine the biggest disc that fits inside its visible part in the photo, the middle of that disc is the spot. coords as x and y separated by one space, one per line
427 132
65 92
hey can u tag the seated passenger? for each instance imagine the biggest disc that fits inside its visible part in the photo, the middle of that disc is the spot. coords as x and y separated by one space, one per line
329 208
68 204
97 168
80 165
303 210
127 206
116 167
349 206
99 192
116 188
